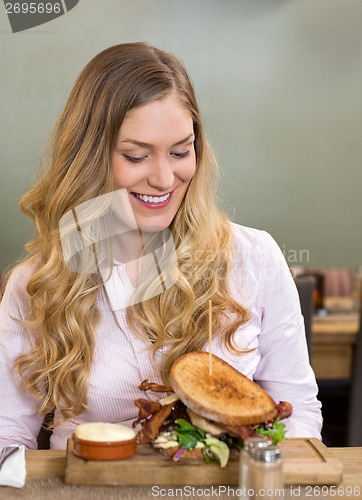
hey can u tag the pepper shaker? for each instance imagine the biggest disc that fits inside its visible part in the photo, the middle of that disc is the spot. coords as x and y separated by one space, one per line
261 473
249 444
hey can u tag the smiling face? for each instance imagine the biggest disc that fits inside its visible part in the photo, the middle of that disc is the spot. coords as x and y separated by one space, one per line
154 160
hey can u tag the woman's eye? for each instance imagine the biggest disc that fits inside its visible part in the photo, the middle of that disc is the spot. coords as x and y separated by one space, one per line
134 159
181 155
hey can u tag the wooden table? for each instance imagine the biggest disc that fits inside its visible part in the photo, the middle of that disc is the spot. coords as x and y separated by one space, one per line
46 468
333 341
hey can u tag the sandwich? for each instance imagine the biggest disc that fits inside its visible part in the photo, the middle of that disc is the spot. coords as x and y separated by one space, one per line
213 408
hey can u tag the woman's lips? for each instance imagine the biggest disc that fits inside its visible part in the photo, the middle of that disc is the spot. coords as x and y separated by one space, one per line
150 203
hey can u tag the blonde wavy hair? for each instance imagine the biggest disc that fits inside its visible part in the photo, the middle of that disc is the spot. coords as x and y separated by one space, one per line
64 313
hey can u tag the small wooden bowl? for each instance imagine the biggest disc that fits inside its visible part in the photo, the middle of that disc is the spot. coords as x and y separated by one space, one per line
104 450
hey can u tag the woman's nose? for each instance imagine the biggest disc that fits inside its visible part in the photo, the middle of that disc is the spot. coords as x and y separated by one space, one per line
161 175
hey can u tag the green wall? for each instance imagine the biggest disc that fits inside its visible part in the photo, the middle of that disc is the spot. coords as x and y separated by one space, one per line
280 87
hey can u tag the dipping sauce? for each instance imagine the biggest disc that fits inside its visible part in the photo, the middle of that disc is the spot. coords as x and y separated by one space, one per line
103 441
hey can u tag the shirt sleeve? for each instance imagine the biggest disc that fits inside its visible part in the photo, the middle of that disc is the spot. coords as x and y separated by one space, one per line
19 419
284 370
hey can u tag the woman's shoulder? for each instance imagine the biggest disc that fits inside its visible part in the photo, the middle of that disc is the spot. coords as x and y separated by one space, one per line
257 251
18 277
251 238
255 247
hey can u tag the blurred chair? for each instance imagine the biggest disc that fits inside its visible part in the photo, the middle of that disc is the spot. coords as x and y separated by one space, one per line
305 286
338 281
354 427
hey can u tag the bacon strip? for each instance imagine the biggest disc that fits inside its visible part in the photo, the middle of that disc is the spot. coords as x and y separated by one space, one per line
147 408
241 431
152 426
285 409
150 386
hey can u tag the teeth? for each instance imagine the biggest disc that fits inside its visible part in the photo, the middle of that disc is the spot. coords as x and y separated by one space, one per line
152 199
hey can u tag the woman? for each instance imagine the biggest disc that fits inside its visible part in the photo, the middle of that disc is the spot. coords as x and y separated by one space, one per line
81 326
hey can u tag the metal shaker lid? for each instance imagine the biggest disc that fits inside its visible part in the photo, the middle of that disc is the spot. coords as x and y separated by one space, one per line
269 453
257 442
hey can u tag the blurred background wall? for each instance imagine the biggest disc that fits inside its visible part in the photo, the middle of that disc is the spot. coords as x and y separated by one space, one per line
279 84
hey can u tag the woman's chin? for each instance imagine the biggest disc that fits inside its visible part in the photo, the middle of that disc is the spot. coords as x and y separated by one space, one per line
152 229
153 226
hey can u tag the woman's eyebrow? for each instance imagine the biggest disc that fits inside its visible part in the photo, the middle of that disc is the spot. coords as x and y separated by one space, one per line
147 145
184 140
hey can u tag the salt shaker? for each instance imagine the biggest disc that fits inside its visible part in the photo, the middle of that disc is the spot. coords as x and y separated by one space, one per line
249 444
265 473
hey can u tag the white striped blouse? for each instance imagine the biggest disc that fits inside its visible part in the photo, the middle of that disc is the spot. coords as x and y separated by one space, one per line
259 279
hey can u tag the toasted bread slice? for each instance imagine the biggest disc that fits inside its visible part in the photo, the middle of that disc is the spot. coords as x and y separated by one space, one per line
226 396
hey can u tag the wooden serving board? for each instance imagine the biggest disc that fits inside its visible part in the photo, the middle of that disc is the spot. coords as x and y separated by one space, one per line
305 461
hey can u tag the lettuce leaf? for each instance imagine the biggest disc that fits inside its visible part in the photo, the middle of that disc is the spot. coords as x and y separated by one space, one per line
275 431
188 435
